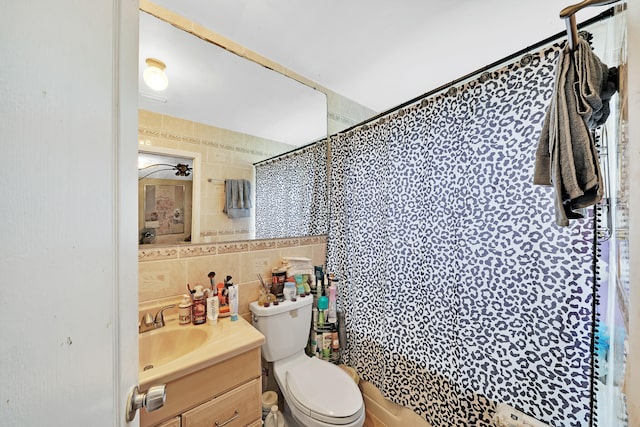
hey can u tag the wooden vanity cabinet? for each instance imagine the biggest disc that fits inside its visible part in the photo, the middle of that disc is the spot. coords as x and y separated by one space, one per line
228 392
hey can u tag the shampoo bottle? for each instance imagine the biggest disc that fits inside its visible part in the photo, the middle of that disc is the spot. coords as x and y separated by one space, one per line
199 308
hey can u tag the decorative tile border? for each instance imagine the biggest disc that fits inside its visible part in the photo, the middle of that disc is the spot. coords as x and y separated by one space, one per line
211 249
232 247
155 254
198 141
287 243
262 245
312 240
225 232
198 250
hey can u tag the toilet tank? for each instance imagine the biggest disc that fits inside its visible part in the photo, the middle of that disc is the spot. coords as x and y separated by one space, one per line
285 327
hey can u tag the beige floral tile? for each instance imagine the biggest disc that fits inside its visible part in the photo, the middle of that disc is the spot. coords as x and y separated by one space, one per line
231 247
247 293
258 262
198 250
155 254
286 243
312 240
223 265
261 245
161 279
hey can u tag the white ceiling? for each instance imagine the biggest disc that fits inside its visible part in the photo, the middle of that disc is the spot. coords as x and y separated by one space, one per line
210 85
375 52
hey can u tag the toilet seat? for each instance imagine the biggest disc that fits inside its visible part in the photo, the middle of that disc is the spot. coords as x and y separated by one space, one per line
324 392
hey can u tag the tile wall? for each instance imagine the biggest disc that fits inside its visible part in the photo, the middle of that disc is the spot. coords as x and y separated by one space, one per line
163 272
225 154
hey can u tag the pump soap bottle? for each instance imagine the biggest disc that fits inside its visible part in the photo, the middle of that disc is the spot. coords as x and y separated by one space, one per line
199 307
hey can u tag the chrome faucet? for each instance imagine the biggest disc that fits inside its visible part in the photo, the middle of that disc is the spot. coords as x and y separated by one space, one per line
148 323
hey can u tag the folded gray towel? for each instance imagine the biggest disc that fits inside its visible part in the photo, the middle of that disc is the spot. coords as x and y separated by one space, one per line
237 202
236 194
566 156
246 194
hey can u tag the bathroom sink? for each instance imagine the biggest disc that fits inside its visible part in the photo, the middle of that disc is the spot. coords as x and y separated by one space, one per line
161 346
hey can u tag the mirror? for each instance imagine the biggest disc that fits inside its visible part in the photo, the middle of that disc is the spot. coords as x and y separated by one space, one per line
168 181
222 110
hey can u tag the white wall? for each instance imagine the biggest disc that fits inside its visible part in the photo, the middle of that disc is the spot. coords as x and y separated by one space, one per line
633 378
63 182
66 193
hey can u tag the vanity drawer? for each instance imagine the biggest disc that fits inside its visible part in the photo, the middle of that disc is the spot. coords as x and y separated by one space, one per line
174 422
239 407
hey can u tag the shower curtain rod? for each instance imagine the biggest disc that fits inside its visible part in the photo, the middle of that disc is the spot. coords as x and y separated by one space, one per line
601 17
292 151
568 14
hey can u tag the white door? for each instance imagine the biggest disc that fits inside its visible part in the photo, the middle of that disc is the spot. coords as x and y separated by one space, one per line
68 202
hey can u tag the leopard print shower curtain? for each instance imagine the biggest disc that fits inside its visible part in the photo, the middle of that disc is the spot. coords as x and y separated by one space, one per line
459 290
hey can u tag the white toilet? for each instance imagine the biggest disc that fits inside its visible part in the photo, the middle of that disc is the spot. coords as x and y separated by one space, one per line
316 393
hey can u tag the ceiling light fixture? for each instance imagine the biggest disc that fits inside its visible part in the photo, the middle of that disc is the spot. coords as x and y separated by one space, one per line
154 75
181 169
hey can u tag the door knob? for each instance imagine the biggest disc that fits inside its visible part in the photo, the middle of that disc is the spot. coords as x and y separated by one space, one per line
153 399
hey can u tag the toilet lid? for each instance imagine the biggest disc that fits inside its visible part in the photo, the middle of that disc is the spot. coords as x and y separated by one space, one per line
323 391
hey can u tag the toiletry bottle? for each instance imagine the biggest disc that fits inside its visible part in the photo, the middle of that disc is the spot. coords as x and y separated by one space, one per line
327 340
306 282
275 418
300 290
319 343
233 302
213 307
289 291
184 310
332 317
311 343
318 274
323 303
220 289
335 344
199 308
